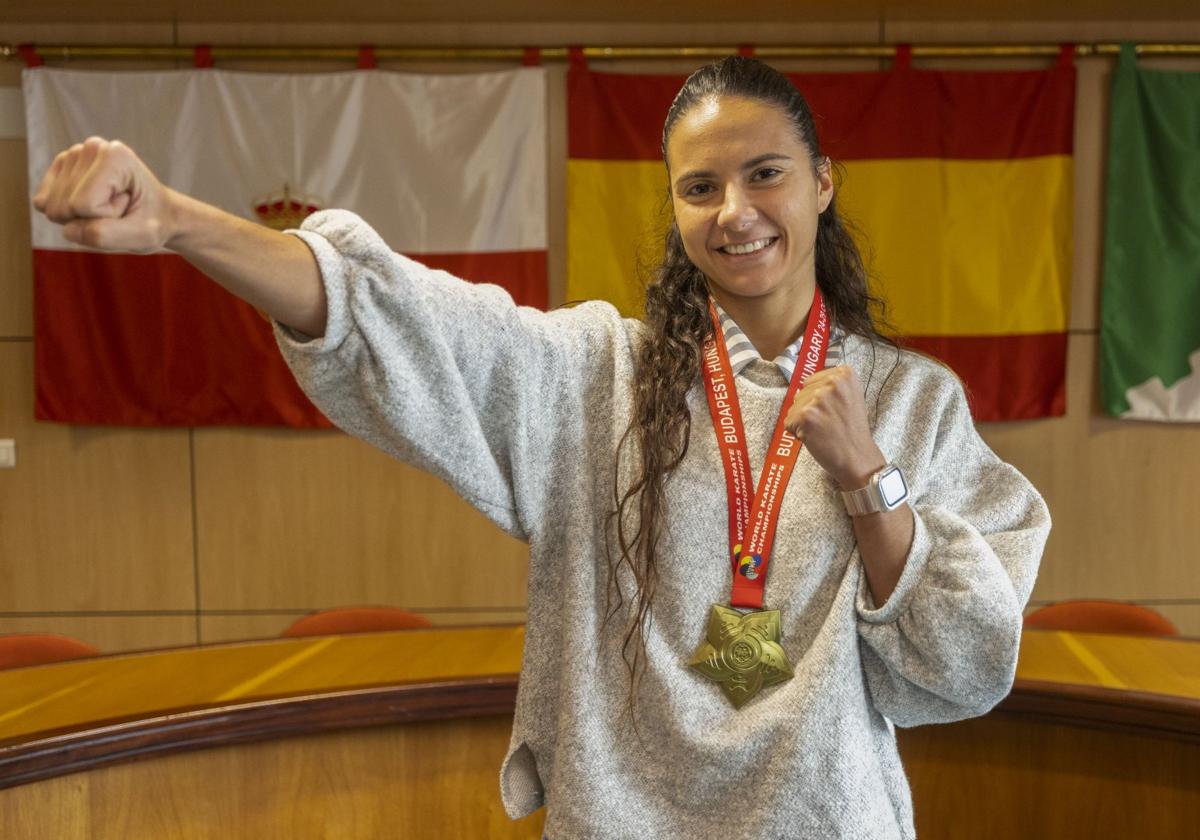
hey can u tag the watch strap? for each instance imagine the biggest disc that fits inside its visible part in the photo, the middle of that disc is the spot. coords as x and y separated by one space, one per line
870 499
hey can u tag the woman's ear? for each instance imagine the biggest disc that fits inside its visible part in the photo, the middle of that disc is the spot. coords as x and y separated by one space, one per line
825 190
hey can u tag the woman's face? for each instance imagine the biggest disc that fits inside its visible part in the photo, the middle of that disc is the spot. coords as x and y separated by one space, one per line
746 199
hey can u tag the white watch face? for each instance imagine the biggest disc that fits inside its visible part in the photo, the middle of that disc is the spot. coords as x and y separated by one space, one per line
892 488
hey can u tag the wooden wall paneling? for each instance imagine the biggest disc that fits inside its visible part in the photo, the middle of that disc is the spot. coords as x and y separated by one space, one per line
111 633
1002 778
418 780
1124 520
16 254
91 518
74 30
689 30
294 520
530 13
236 628
1021 29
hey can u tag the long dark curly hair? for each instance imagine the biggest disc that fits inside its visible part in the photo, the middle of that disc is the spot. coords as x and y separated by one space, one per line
677 326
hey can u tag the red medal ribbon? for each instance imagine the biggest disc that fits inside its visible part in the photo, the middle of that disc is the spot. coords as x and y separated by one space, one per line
752 524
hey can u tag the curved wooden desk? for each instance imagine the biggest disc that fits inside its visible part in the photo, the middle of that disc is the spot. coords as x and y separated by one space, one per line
404 733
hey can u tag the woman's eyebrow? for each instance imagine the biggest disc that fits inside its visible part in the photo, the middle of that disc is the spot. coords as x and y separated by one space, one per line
750 164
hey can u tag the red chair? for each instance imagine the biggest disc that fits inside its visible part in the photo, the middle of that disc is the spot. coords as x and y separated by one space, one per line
356 620
21 650
1101 617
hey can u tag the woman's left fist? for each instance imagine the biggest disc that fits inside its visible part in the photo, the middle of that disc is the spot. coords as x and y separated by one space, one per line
829 416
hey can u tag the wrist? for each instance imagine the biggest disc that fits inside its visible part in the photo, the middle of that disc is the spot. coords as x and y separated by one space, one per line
184 220
174 219
859 475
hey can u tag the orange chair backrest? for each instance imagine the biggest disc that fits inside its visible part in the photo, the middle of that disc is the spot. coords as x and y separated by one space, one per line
356 620
20 650
1101 617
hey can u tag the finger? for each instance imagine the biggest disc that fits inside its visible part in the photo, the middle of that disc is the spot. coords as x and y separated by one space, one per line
93 233
42 194
97 193
71 164
85 155
797 421
136 235
59 186
120 203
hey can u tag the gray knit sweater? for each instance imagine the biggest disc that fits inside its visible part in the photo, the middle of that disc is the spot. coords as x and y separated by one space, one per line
521 412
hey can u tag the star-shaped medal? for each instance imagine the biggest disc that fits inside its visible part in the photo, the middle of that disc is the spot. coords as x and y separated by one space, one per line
742 652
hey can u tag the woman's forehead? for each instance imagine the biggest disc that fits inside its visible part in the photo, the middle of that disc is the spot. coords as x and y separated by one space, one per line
731 126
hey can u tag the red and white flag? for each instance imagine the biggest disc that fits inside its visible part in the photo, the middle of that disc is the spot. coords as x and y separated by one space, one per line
450 169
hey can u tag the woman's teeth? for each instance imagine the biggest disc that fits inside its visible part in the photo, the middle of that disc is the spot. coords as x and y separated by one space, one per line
748 247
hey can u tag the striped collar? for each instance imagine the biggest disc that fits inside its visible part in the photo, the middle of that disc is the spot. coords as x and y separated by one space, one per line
742 352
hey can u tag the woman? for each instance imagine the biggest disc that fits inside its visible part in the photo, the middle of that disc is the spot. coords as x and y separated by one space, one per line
627 453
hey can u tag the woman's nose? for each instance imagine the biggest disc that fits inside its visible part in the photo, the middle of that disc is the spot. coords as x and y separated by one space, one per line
737 211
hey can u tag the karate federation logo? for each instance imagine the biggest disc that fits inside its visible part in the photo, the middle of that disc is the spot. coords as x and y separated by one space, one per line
748 565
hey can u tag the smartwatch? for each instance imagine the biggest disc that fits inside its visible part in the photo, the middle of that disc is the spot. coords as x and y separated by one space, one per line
886 491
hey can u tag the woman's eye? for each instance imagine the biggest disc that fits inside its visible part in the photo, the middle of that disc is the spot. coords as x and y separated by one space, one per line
766 173
699 189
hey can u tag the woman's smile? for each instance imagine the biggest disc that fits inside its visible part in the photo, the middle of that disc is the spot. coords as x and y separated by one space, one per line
751 248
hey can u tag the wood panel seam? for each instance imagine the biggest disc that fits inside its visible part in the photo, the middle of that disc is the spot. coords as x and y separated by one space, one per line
195 535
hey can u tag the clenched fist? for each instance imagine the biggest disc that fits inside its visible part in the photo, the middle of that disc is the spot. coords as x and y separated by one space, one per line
105 197
829 417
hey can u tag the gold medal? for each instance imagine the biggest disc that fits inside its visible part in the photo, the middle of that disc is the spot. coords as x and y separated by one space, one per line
742 652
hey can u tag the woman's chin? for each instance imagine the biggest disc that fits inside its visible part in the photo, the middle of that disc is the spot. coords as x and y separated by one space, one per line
744 287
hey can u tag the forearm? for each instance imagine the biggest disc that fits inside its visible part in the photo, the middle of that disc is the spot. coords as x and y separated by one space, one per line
883 543
271 271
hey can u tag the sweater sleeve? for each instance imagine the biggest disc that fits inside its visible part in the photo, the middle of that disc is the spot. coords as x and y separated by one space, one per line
944 645
446 375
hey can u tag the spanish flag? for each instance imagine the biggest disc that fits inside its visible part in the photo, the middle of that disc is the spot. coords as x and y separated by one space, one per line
959 183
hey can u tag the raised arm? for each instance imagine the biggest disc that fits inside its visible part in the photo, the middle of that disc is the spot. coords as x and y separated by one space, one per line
106 197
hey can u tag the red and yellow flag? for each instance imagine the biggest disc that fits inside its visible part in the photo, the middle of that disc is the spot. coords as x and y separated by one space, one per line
960 184
449 169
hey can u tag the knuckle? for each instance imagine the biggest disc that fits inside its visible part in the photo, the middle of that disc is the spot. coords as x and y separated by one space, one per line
116 150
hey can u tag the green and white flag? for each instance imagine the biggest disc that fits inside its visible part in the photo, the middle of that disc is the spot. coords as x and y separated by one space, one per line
1150 299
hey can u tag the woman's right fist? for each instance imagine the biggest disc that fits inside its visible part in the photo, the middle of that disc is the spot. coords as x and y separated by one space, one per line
105 197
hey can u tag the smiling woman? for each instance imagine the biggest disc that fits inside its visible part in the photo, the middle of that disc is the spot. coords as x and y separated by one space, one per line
762 696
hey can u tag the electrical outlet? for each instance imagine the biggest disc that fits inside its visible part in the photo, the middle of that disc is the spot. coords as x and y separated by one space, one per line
8 453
